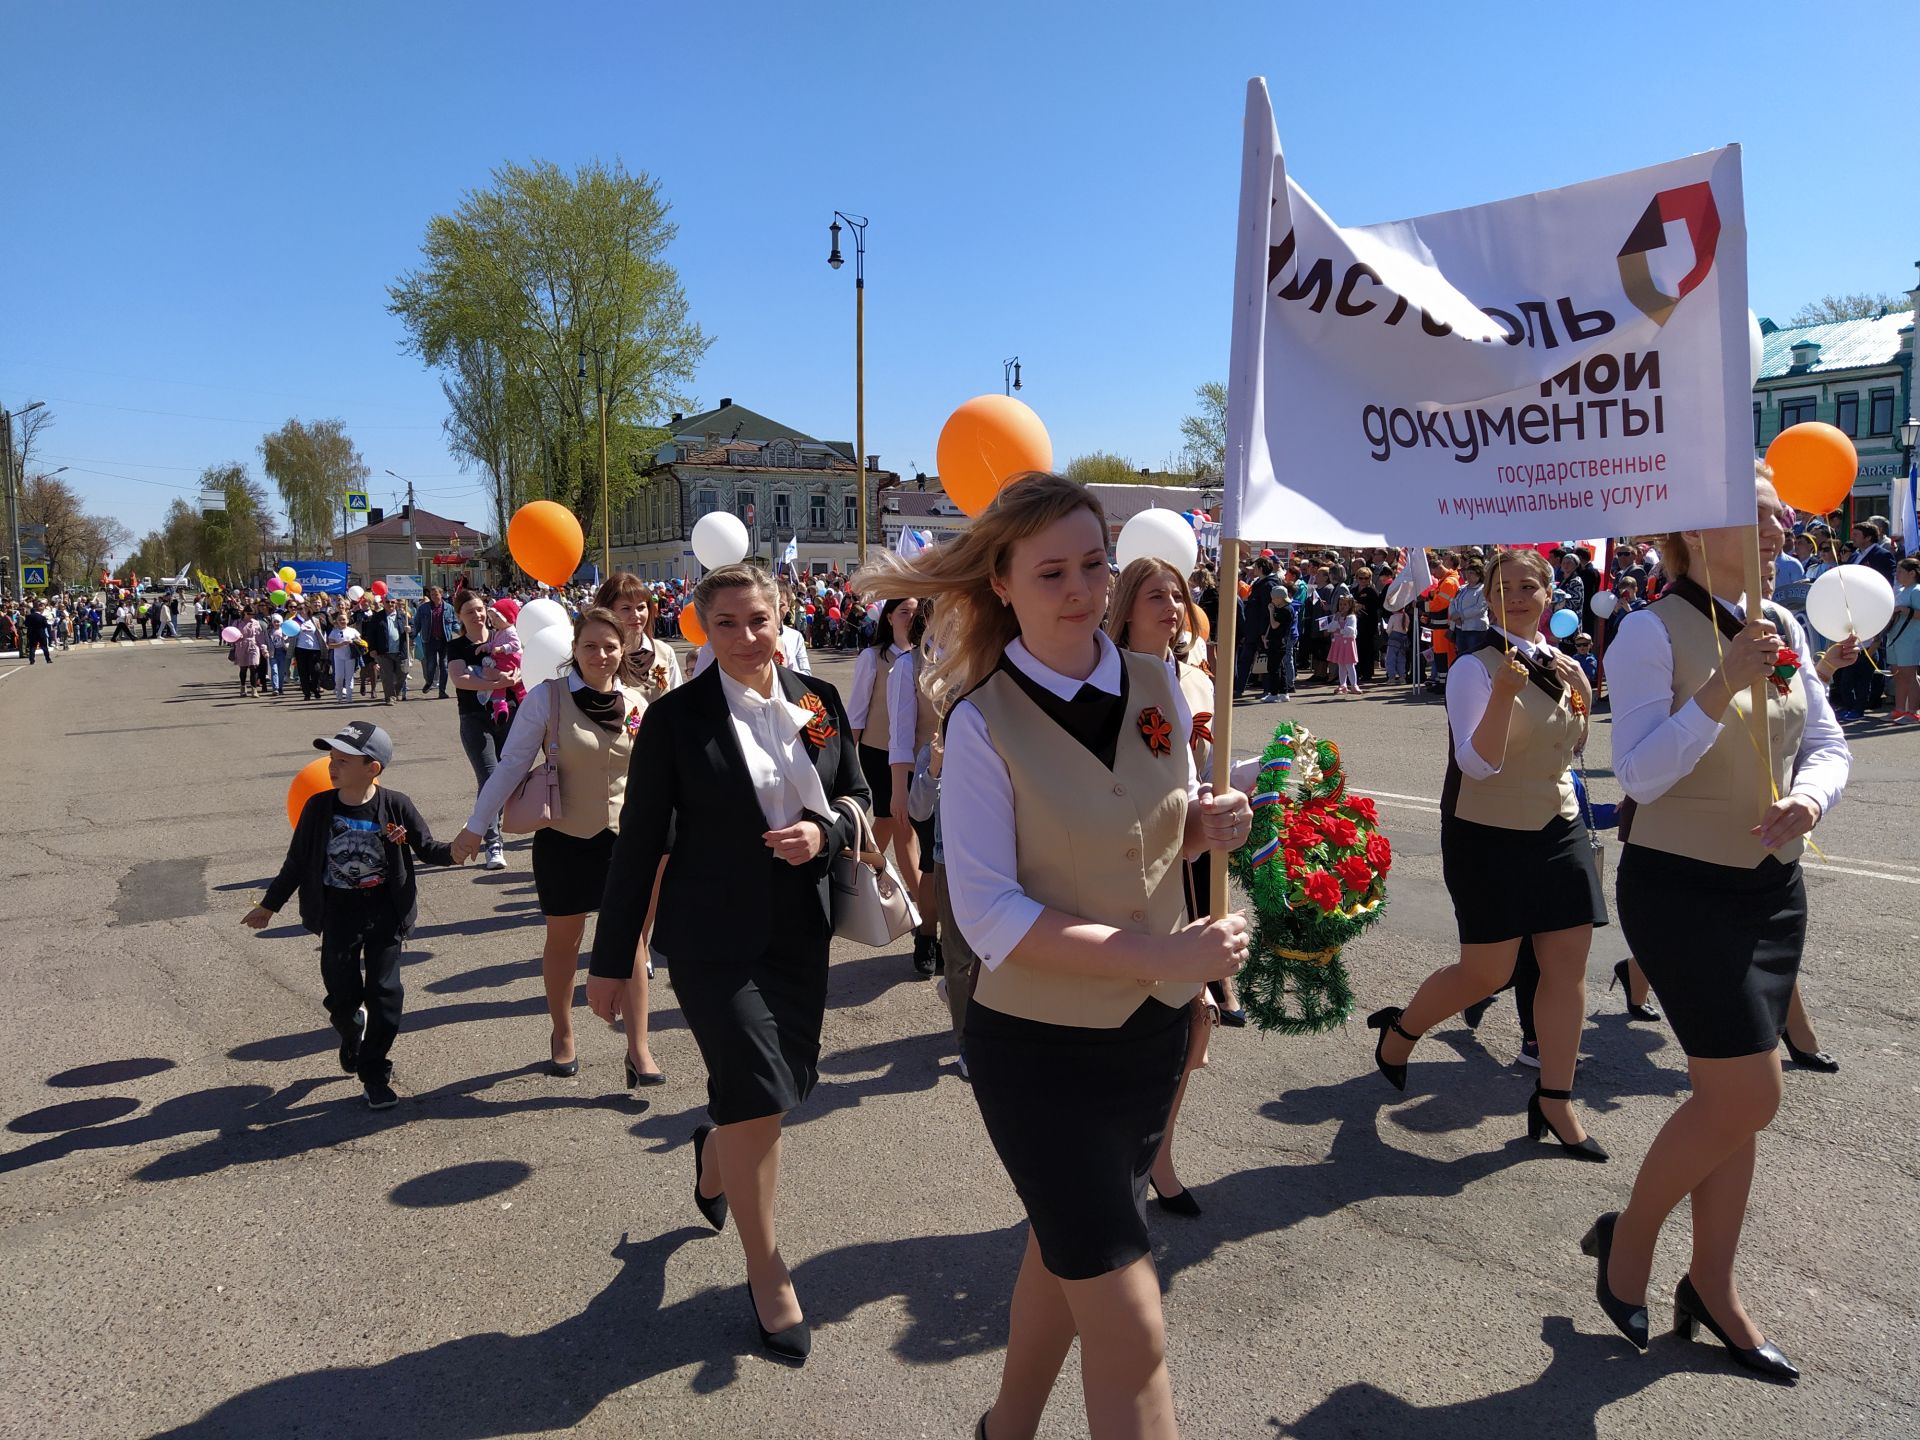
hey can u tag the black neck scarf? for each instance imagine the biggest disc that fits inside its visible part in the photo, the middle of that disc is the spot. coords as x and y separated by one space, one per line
1093 717
603 709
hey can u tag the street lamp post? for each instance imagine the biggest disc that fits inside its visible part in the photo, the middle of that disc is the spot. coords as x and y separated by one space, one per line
1010 374
606 509
13 502
857 224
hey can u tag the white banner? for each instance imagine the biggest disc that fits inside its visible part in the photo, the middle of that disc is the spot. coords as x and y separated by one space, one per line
1571 362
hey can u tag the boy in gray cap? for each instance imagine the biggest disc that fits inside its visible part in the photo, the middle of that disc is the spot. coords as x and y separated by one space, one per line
351 860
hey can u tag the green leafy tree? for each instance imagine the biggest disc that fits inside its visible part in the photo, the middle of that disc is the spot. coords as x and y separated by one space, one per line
1205 432
233 541
1859 306
313 466
1102 468
539 276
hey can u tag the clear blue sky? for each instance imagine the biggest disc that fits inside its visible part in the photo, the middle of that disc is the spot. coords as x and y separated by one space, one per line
206 201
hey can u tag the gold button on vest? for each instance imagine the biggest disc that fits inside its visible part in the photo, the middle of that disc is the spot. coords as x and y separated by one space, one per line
1707 813
1532 785
1066 819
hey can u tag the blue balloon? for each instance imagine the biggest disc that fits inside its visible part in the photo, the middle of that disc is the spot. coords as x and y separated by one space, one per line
1564 623
289 628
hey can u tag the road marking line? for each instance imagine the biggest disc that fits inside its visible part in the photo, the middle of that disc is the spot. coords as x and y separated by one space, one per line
15 671
1430 803
1870 874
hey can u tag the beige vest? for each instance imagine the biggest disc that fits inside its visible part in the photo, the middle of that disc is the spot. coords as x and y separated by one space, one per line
1533 785
1196 688
1709 811
878 731
1100 844
593 766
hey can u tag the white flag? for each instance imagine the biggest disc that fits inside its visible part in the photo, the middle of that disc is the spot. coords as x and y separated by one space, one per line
1546 365
1413 581
792 557
911 542
1904 518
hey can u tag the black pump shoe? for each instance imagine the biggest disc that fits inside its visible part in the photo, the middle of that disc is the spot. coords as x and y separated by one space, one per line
1476 1012
980 1430
713 1207
792 1344
1383 1021
637 1078
1765 1359
1629 1320
1538 1126
1181 1202
1810 1059
564 1069
1646 1010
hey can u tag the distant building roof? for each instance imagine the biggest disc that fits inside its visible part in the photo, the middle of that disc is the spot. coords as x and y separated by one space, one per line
729 421
425 524
1844 345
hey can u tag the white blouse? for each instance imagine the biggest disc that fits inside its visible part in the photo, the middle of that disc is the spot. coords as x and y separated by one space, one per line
768 729
1470 691
976 809
526 738
1655 745
903 708
860 694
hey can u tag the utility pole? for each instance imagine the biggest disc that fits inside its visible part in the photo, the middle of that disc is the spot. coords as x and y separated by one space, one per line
13 498
858 224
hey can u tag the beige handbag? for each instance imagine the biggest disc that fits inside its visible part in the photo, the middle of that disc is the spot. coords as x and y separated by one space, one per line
871 905
535 801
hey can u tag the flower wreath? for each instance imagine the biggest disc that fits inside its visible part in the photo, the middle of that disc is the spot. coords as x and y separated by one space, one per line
1315 867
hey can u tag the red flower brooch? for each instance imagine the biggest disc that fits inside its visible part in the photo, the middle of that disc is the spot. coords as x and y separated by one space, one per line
1785 663
818 730
1155 730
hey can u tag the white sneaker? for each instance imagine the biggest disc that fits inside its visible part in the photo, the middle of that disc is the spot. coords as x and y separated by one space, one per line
960 1064
940 989
496 858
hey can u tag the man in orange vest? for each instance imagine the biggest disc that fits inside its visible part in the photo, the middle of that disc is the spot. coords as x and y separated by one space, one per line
1438 600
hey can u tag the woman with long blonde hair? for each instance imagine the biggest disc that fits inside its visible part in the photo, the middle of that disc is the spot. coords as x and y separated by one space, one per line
1069 801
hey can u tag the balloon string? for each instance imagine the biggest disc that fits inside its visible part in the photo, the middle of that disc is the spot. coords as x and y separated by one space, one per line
1720 649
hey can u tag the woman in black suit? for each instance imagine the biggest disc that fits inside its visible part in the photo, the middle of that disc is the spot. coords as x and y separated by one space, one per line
733 780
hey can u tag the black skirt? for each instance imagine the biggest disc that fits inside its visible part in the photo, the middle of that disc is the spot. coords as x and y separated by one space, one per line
1721 946
1510 883
757 1018
1076 1116
570 874
873 764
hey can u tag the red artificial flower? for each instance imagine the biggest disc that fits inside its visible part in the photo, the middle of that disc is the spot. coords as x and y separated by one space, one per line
1296 862
1323 890
1155 730
1341 832
1301 835
1354 874
818 730
1379 853
1362 808
1785 663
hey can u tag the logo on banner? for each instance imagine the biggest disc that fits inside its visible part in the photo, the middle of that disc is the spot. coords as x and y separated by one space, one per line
1689 204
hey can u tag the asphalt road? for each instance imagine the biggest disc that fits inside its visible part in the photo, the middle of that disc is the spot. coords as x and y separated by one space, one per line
206 1233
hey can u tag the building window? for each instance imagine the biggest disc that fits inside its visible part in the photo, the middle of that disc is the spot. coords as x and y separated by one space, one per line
1879 412
743 499
817 511
1756 424
852 512
1794 412
1846 412
705 502
782 510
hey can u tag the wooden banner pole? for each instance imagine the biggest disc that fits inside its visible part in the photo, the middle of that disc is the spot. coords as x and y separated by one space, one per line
1226 656
1757 719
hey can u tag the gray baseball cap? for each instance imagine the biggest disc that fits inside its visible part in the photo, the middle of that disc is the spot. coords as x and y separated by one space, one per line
362 738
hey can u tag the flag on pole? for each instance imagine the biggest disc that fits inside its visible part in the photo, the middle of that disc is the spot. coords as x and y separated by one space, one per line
1577 355
912 542
1904 518
1413 581
791 558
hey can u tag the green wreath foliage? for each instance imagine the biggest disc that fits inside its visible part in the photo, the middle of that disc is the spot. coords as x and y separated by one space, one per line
1315 867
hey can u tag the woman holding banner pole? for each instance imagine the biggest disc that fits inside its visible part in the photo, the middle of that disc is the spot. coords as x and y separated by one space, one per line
1077 1034
1713 903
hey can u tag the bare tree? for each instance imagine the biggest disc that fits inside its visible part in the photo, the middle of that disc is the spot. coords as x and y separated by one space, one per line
1860 306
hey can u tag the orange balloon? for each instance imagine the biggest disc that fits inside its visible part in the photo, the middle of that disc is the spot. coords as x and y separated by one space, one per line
312 779
546 541
293 587
690 627
985 443
1814 466
1245 589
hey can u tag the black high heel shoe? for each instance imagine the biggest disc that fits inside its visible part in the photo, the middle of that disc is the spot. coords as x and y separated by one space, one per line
1646 1010
1810 1059
1383 1021
1765 1359
713 1207
1538 1126
1181 1202
980 1430
563 1069
1629 1320
792 1344
637 1078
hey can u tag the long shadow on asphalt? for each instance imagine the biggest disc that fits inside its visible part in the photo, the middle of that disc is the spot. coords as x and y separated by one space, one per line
1586 1374
497 1384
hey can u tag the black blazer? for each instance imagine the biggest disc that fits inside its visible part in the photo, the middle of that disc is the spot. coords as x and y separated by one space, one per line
690 799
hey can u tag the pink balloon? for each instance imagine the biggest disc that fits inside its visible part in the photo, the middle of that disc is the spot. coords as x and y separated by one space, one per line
276 583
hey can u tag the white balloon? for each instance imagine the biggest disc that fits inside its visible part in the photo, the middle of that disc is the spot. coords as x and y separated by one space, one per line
541 655
1158 535
719 539
1850 600
1605 603
354 592
538 615
1756 348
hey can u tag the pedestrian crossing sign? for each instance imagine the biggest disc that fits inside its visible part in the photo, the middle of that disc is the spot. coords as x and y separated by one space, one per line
357 501
33 577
